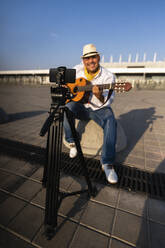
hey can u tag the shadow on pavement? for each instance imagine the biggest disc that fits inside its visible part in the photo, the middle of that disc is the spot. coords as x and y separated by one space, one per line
135 123
5 118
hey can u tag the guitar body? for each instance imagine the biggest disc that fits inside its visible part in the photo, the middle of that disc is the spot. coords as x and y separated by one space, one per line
78 95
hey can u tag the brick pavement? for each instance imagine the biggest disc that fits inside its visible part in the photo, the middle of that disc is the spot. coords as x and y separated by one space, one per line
115 217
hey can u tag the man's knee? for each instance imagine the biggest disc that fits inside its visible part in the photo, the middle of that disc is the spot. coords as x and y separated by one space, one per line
72 106
77 109
108 114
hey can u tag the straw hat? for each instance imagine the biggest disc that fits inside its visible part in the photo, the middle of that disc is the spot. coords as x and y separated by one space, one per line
89 50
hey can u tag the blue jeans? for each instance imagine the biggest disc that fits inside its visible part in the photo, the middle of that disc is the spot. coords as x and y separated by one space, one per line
104 117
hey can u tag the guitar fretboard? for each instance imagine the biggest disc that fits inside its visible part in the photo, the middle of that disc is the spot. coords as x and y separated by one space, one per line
89 87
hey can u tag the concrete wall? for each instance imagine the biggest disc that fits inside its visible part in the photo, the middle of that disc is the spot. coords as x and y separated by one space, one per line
24 79
149 84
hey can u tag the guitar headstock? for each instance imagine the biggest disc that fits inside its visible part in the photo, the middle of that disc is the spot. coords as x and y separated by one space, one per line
122 87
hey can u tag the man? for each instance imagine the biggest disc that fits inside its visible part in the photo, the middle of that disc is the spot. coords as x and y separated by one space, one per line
97 108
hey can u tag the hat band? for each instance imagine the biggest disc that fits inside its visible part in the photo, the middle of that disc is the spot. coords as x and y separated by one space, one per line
89 53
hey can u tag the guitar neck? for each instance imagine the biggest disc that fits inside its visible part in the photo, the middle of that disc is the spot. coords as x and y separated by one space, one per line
89 87
82 85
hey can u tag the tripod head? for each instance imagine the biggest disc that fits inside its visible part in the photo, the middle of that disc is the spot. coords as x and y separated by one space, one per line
59 92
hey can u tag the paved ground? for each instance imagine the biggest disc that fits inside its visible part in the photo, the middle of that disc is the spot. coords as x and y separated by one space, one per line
115 218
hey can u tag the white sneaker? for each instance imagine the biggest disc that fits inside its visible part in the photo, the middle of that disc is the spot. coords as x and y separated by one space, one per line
110 173
73 150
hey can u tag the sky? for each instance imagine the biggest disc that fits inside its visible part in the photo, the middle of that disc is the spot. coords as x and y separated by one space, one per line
43 34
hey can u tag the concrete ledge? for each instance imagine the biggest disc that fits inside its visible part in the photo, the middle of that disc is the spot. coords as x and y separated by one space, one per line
92 137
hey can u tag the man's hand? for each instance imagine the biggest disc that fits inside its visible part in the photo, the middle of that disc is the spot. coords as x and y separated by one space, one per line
98 93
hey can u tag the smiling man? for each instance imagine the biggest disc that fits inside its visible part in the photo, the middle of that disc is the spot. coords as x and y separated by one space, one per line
97 108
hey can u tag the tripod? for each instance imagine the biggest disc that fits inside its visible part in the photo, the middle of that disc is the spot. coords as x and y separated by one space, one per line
51 175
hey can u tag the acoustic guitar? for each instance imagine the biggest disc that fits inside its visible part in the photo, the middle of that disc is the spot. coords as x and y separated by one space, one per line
81 88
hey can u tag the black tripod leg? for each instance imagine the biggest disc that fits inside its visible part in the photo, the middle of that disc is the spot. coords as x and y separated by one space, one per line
52 175
69 115
44 179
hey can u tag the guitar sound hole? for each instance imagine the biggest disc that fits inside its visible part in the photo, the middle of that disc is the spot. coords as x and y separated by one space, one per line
75 89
